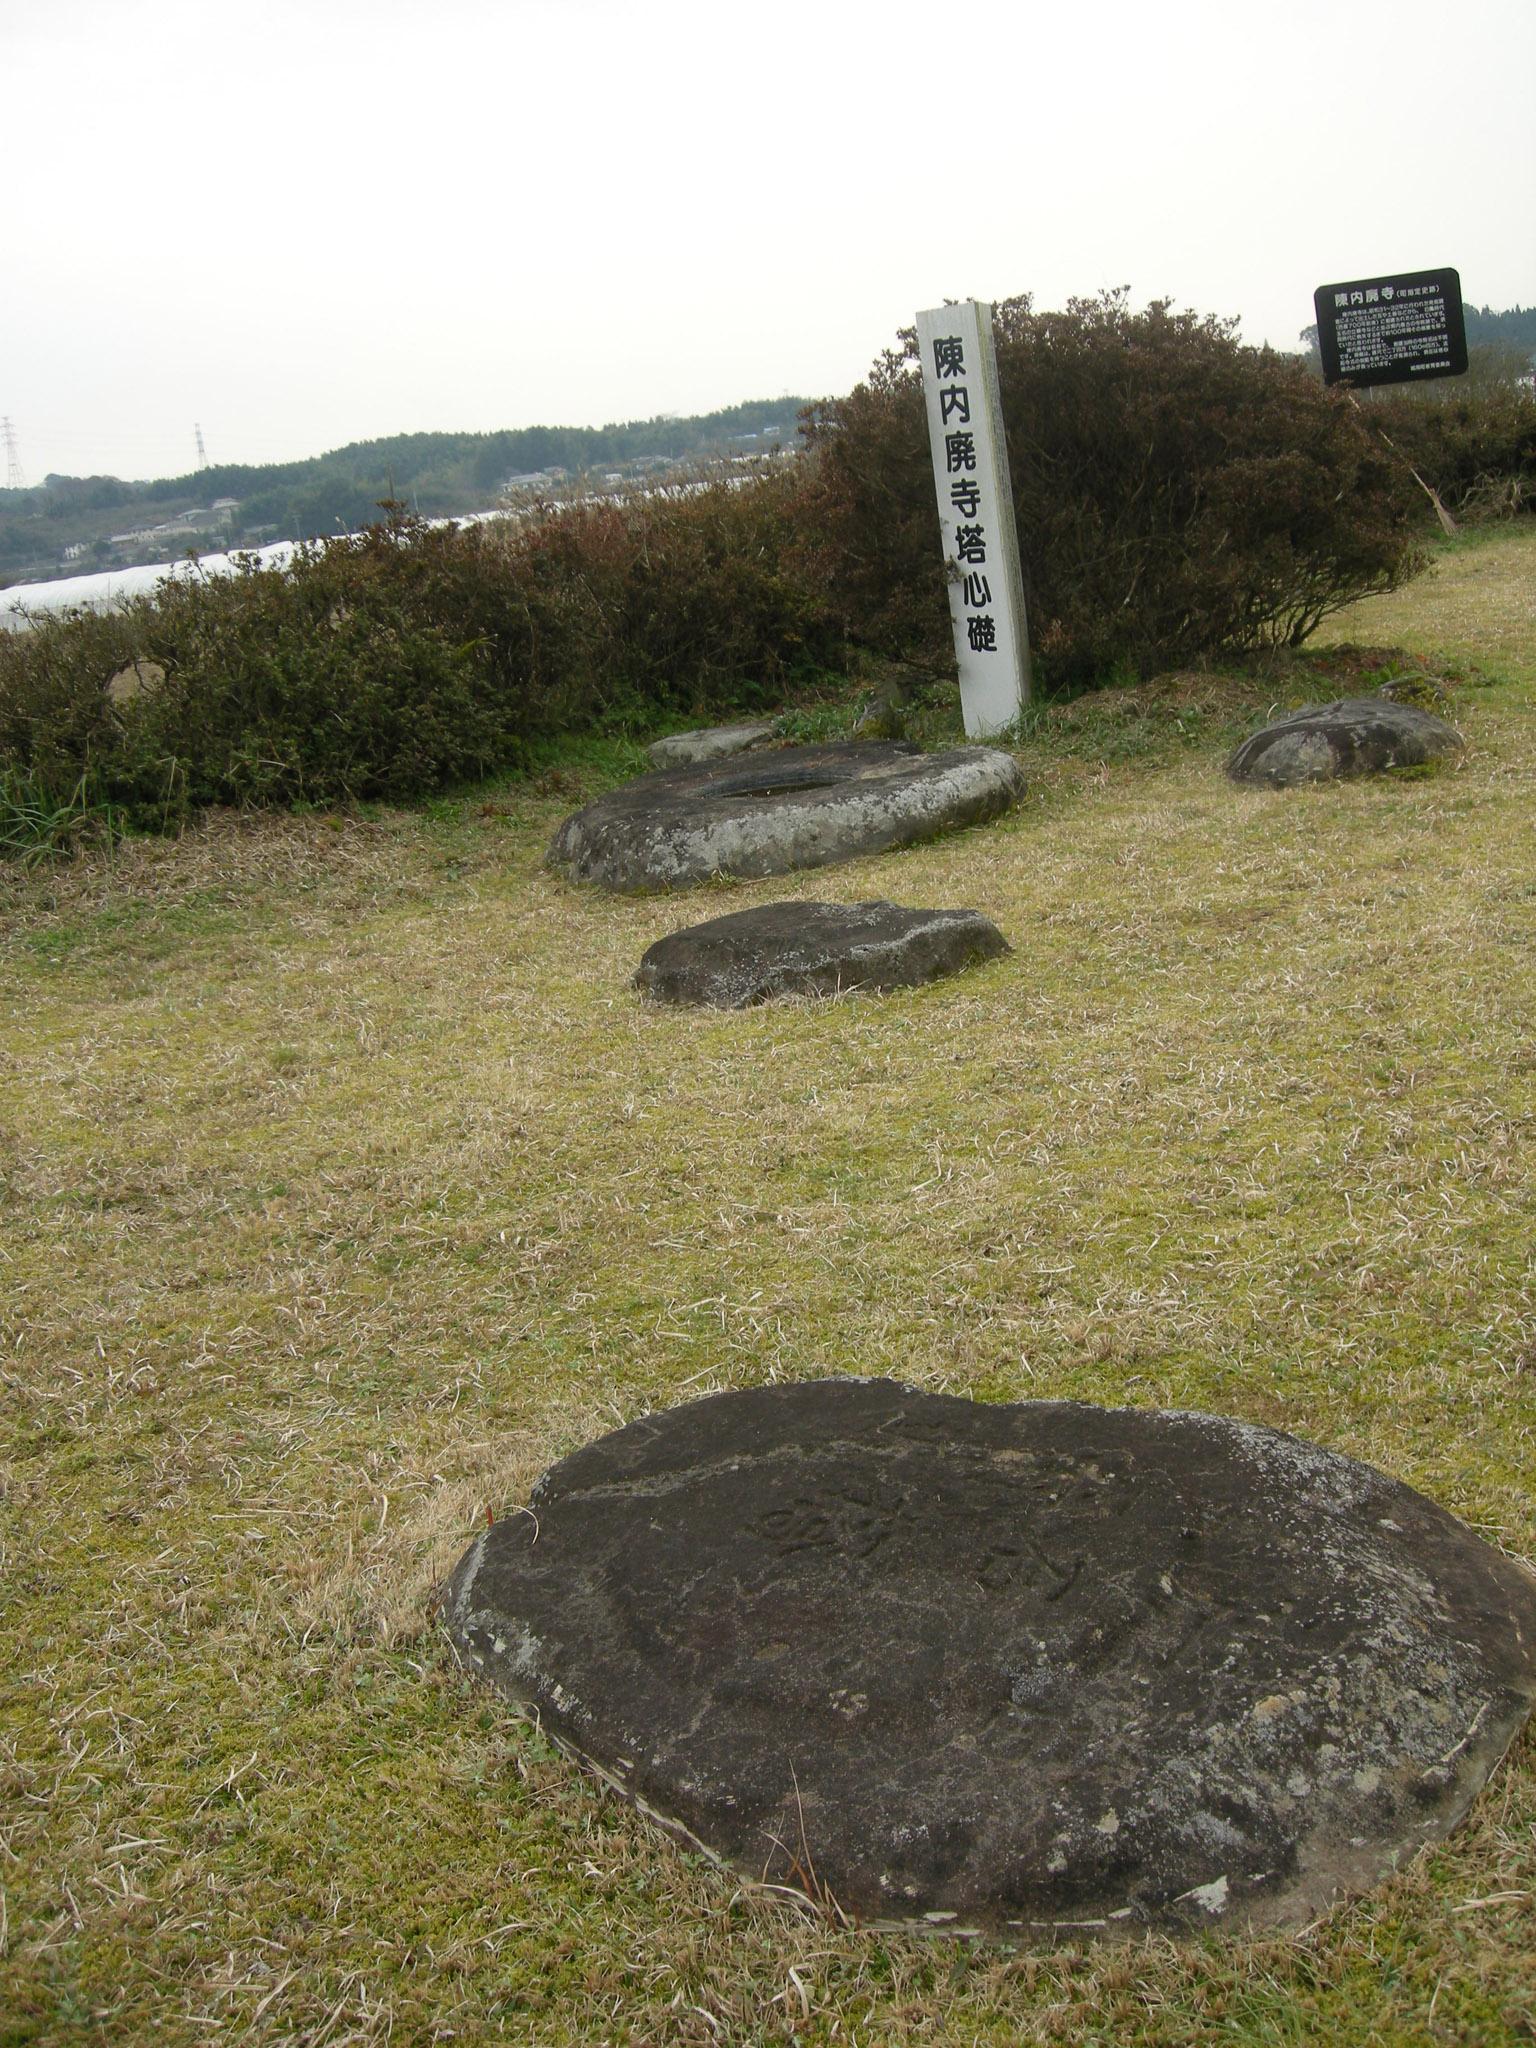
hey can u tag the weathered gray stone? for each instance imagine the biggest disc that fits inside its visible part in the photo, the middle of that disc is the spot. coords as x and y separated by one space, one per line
813 949
1008 1668
1354 736
884 717
134 681
708 743
792 807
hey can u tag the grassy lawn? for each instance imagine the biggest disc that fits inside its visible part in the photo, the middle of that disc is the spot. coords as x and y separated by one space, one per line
346 1184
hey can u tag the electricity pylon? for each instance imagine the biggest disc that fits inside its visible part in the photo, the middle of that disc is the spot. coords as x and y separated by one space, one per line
15 476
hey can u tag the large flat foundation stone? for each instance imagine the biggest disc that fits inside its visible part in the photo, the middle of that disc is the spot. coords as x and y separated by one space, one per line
778 811
1021 1669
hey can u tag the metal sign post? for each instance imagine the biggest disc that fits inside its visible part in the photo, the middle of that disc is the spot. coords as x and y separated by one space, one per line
981 546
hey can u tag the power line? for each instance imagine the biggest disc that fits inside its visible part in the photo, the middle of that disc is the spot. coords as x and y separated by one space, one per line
15 475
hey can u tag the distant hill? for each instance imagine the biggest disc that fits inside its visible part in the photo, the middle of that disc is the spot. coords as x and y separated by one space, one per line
69 524
1515 329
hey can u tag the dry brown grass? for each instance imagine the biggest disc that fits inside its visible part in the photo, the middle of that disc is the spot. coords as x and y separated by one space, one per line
346 1185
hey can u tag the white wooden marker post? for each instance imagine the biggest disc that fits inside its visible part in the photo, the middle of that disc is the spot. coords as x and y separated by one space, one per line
981 545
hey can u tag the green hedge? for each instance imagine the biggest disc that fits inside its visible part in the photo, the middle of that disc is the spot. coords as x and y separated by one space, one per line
1178 496
1476 447
390 664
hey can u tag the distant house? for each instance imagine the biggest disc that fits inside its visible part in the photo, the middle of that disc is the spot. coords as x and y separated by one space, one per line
533 480
188 525
215 518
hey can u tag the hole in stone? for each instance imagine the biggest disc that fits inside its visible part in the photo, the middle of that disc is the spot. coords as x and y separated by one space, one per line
767 782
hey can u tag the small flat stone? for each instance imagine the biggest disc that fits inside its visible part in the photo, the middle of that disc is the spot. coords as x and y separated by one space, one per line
813 949
708 743
1008 1668
1354 736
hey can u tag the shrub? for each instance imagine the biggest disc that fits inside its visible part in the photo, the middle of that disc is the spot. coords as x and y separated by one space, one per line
1178 496
325 682
1475 445
391 663
687 601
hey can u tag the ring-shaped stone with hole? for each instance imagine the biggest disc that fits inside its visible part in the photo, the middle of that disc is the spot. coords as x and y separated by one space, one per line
791 808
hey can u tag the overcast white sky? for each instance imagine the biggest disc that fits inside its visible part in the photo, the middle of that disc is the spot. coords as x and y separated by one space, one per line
307 222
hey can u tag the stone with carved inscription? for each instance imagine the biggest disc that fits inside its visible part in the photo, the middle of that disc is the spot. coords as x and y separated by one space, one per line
812 949
1354 736
1016 1670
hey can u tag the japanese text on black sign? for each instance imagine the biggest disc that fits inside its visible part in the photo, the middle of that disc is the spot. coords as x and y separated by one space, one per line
1392 330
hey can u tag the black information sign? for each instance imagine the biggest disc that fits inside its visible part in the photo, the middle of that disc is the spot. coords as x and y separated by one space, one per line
1392 330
